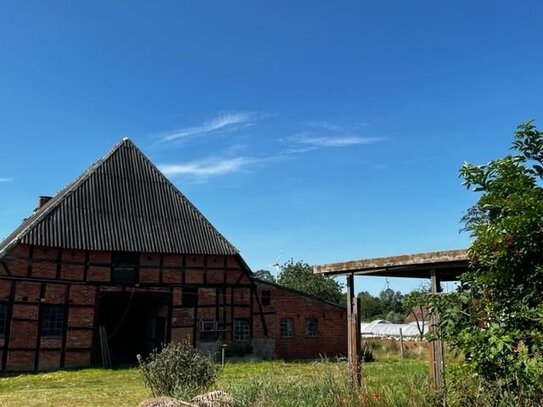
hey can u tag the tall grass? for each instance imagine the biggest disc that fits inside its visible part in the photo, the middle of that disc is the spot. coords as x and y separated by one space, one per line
329 387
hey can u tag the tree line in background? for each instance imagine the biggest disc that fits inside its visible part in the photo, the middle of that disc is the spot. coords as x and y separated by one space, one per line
299 275
389 305
393 306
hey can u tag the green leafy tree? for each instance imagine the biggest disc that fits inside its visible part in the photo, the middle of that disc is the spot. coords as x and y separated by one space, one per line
299 276
264 275
370 307
388 305
496 316
415 303
392 301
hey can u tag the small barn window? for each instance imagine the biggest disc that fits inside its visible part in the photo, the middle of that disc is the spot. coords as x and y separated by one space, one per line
124 267
208 330
287 328
311 330
207 325
266 297
241 330
52 320
3 318
189 297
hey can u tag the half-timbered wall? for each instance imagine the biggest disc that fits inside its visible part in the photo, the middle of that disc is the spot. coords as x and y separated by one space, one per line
33 278
210 300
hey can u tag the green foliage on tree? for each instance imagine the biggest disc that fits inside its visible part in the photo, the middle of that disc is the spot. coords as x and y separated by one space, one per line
415 303
299 276
496 316
371 307
388 305
265 275
392 300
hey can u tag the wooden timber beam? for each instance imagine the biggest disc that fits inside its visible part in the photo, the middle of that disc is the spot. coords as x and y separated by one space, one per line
437 359
353 333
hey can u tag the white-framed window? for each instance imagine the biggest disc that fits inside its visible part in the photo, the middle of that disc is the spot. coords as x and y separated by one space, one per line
287 328
207 325
208 329
311 328
242 331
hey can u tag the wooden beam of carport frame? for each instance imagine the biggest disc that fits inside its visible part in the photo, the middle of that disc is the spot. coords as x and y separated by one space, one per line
436 266
450 263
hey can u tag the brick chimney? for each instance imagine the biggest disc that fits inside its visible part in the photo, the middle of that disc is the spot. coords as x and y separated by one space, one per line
42 200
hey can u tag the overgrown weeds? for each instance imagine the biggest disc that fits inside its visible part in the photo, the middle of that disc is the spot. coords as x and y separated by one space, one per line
178 371
329 387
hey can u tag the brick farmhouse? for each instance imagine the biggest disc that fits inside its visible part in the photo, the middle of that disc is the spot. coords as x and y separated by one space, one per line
119 262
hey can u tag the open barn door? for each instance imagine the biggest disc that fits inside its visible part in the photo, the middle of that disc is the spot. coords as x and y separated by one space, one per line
134 324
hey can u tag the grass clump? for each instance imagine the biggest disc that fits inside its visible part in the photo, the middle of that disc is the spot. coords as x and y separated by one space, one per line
178 370
327 388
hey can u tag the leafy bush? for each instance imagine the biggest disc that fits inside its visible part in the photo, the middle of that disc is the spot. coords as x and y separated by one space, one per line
178 370
495 318
466 388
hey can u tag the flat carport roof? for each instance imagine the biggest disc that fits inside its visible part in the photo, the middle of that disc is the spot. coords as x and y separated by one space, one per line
447 265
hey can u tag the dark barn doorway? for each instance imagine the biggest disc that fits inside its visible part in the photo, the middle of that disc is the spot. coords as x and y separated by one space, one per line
134 323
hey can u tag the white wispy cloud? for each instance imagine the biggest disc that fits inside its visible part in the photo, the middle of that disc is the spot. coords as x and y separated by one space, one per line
307 141
336 127
222 122
342 141
208 167
5 179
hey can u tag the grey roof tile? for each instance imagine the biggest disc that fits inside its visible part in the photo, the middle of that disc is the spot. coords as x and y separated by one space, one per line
122 203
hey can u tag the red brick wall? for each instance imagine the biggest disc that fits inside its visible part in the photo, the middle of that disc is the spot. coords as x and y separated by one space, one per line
75 279
331 323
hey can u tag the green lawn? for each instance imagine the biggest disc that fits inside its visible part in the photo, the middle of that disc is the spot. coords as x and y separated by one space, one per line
124 387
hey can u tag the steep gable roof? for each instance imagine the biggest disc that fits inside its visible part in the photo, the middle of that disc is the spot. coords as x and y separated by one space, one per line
122 203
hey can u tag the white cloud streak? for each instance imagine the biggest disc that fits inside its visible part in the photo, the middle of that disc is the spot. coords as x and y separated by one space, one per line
208 167
338 141
5 180
223 122
306 141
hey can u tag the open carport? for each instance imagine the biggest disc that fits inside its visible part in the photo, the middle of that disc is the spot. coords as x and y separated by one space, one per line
438 267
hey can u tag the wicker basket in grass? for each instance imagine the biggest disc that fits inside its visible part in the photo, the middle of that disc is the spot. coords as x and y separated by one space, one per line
217 398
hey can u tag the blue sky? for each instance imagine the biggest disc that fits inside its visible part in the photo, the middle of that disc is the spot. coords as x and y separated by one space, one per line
320 131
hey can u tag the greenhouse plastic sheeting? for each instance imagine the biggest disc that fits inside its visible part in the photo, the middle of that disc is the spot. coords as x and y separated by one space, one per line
382 328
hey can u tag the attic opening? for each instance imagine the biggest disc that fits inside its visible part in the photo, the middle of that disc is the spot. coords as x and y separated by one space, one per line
124 268
133 323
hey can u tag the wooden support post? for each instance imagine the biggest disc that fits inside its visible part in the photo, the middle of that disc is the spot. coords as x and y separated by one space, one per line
358 338
402 350
437 360
353 332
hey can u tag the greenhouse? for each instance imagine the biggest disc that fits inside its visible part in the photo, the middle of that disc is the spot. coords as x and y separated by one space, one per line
385 329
